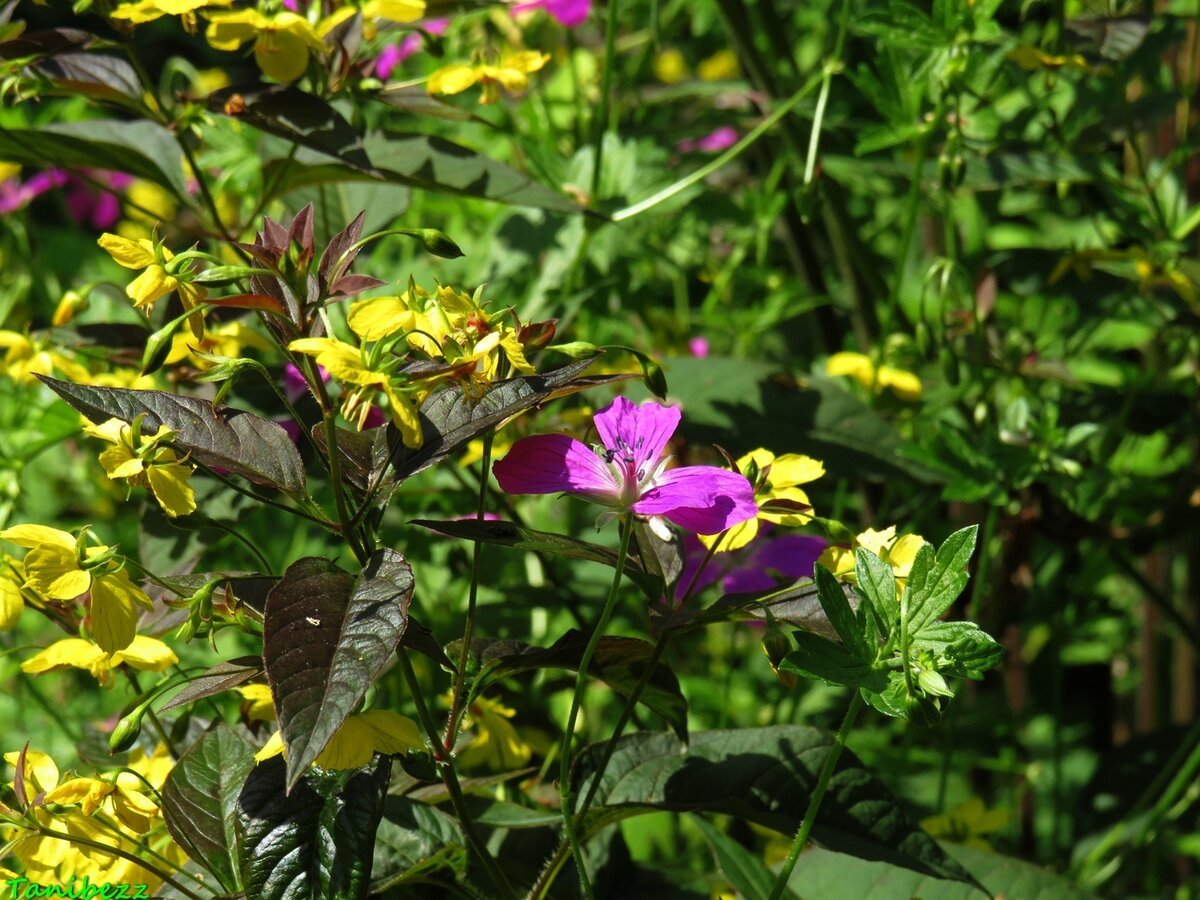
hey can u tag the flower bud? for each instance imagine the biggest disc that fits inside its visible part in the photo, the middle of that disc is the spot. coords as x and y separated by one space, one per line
438 243
776 646
126 733
923 711
576 349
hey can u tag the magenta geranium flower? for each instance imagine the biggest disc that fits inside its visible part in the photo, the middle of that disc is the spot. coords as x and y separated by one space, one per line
568 13
629 473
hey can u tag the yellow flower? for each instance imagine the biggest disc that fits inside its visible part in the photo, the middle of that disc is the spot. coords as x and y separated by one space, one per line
902 383
510 73
453 326
53 567
721 66
474 451
394 10
9 170
124 378
149 10
496 744
145 653
898 552
11 602
154 767
155 281
966 823
282 40
148 204
144 461
25 357
775 490
670 67
71 304
356 742
257 705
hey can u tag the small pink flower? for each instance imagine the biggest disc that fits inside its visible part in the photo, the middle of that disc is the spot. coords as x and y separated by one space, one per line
568 13
92 205
16 194
294 384
698 347
630 472
394 54
721 139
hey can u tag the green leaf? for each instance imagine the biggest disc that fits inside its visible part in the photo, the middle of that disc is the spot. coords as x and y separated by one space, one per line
967 651
841 616
416 841
892 700
745 871
818 657
935 581
200 797
317 841
821 873
764 775
241 442
509 534
877 582
140 148
618 661
326 637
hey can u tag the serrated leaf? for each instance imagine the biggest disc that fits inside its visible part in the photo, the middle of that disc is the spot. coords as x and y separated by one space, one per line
877 582
817 657
140 148
415 841
841 616
967 651
745 871
618 661
241 442
326 637
200 797
936 580
318 840
765 775
509 534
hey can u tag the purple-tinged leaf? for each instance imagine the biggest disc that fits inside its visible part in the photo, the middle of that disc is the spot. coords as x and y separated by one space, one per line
326 637
220 678
241 442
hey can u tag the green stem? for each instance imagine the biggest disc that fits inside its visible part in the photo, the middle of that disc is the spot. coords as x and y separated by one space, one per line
445 766
831 66
564 762
814 803
335 463
724 159
460 676
600 123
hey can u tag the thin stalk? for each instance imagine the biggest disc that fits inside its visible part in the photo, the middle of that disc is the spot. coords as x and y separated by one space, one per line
564 762
814 803
834 64
450 779
600 123
335 463
724 159
460 676
267 501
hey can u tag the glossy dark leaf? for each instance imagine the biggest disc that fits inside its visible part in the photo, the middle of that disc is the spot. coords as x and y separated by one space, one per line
618 661
326 637
318 840
200 797
297 116
415 842
764 775
509 534
139 148
97 75
241 442
45 42
221 677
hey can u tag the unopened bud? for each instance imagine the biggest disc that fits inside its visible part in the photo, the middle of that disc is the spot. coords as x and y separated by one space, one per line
126 733
576 349
438 243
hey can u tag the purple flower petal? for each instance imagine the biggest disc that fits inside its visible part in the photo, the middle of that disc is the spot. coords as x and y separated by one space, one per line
550 463
698 347
569 13
791 555
703 499
643 429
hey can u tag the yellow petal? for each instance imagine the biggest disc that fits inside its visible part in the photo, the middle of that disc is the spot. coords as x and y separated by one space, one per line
405 417
791 468
260 707
273 747
148 654
453 79
395 10
838 560
30 536
169 483
905 385
792 495
88 792
54 571
129 253
901 554
228 31
119 462
152 284
67 653
877 541
855 365
393 733
11 604
721 66
283 55
524 62
737 537
336 18
114 613
760 457
351 747
112 430
137 13
379 317
134 810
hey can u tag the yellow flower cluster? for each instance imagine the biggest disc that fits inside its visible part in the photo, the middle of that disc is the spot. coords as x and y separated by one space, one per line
510 72
898 552
902 383
146 461
111 813
61 566
780 500
447 327
159 276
